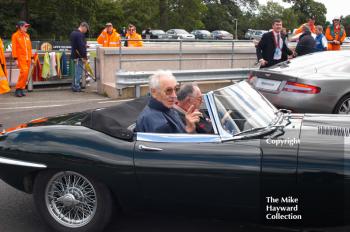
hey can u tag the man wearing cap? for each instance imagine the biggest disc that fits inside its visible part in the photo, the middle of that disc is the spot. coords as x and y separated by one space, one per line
335 34
109 37
78 53
22 54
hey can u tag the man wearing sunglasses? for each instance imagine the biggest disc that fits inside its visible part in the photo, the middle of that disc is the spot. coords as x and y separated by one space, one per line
133 38
335 34
159 116
22 54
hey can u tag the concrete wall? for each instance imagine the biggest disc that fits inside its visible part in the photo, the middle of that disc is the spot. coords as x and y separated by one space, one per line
112 60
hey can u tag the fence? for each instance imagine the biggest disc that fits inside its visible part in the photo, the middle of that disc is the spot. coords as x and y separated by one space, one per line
137 79
180 44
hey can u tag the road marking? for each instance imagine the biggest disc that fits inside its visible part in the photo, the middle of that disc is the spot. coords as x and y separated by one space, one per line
60 101
29 107
102 102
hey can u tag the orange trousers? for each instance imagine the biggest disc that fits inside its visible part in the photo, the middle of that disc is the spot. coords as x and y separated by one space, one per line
23 66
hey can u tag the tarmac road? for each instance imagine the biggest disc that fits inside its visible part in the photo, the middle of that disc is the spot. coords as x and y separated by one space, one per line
17 211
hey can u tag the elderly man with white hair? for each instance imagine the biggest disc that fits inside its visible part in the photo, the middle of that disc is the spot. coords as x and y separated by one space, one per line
159 116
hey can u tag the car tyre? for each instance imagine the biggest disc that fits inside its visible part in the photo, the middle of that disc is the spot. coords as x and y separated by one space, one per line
71 202
343 105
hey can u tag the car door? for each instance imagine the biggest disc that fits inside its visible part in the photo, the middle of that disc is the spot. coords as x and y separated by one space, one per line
171 34
195 169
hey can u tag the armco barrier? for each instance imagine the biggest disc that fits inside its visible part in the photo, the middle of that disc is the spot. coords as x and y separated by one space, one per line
136 79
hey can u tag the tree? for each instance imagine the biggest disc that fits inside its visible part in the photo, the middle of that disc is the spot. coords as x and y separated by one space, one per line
307 8
163 14
187 14
268 13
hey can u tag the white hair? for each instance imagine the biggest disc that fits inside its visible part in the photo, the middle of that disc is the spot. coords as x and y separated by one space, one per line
154 80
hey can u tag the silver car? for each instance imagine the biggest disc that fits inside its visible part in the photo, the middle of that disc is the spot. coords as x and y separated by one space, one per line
315 83
179 34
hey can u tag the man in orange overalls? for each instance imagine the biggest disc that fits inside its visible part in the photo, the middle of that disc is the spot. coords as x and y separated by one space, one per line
109 37
335 34
133 38
22 54
4 85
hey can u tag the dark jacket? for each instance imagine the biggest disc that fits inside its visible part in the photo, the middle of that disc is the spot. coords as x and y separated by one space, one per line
204 125
266 49
156 118
306 44
78 43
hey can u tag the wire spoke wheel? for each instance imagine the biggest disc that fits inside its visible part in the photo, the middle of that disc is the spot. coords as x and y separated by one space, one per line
71 199
344 107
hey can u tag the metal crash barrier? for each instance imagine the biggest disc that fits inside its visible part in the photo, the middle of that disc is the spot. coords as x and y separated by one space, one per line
136 79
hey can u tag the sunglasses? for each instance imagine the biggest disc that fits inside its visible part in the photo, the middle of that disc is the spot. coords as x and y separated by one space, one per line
170 91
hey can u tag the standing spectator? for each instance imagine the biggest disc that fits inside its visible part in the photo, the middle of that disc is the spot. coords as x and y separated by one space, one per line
321 41
78 53
109 37
123 32
4 85
272 48
148 33
22 54
306 42
335 34
310 23
133 38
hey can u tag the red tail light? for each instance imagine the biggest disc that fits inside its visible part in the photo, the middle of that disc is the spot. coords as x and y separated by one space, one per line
301 88
250 78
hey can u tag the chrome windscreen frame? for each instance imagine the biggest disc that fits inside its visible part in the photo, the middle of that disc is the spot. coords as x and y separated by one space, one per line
215 117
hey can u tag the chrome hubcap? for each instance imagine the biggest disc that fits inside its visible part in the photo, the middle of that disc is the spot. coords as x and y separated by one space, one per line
345 107
71 199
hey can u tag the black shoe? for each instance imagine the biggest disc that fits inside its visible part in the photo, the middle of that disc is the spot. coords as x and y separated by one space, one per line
22 92
76 90
18 93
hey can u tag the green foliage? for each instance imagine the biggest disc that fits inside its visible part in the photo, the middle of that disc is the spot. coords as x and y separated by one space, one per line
54 20
306 8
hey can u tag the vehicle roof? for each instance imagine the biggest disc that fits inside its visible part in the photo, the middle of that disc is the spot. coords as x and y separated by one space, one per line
116 120
318 62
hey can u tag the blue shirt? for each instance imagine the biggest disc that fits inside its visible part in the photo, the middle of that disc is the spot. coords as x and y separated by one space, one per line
320 46
157 118
78 43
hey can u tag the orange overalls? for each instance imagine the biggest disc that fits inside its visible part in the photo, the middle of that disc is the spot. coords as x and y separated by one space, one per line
109 40
22 51
4 85
135 36
300 29
335 33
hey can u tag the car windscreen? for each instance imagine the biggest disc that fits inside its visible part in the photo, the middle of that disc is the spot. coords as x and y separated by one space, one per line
204 32
158 32
319 62
179 31
241 108
224 33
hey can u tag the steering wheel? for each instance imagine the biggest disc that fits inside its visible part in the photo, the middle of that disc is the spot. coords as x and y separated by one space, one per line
227 122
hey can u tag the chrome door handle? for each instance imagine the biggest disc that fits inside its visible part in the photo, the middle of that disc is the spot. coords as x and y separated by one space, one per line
145 148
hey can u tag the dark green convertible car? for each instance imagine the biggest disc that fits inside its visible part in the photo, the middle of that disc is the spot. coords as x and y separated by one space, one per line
260 164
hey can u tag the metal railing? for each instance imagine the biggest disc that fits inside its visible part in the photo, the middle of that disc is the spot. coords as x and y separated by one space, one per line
180 52
136 79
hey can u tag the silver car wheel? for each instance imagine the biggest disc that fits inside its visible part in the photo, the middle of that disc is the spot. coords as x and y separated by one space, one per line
71 199
344 107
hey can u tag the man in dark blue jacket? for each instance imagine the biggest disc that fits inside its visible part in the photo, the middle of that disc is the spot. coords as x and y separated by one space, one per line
78 53
159 116
306 42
